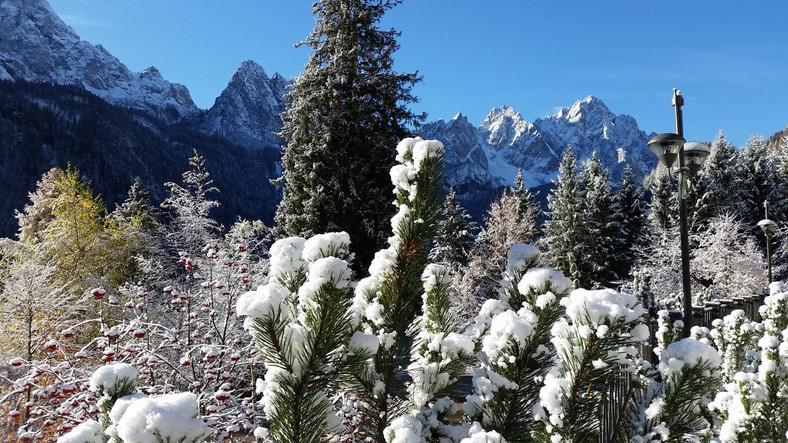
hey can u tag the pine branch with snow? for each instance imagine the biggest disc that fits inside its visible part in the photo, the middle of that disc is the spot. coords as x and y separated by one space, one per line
595 341
387 303
513 336
301 324
675 409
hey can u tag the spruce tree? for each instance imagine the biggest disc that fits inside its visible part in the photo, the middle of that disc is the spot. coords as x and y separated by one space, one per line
664 209
530 211
719 171
344 115
564 231
601 226
455 234
756 181
631 216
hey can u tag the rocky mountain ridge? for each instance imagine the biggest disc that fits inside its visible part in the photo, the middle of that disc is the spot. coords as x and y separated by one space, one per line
483 158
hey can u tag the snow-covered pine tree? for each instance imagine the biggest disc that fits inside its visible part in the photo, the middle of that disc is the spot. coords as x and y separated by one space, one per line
387 303
454 235
754 406
530 210
344 114
300 320
513 335
601 226
673 409
190 207
719 170
663 212
316 335
595 341
565 231
727 259
439 356
631 216
756 181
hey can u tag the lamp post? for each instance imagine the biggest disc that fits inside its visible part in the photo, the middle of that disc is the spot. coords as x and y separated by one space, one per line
670 147
769 228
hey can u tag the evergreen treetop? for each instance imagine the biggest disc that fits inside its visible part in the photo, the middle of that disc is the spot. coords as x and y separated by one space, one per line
344 114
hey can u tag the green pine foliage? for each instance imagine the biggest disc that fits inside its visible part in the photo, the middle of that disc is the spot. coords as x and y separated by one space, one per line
601 228
343 115
454 235
565 230
630 214
389 300
664 212
508 408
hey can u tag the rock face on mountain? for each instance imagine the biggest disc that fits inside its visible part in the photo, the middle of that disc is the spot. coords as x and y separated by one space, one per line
486 158
588 125
36 46
247 112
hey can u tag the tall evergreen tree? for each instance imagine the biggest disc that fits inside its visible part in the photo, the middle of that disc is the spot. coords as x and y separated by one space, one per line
529 207
344 116
565 230
455 234
631 216
601 226
664 210
719 170
756 181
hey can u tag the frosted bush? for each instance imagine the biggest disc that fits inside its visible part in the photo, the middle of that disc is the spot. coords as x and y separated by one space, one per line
89 431
169 417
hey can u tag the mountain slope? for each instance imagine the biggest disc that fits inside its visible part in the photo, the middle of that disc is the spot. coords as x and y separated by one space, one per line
247 111
37 46
42 126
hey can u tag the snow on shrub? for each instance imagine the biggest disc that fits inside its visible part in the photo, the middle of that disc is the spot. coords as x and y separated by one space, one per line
168 417
672 410
89 431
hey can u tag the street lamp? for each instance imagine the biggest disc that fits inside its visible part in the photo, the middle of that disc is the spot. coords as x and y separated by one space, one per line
669 148
769 229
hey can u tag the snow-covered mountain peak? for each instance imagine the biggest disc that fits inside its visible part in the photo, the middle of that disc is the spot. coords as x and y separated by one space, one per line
151 73
504 126
459 116
247 111
589 106
249 70
37 46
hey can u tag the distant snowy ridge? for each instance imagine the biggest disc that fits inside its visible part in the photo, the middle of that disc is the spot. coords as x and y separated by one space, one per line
488 156
37 46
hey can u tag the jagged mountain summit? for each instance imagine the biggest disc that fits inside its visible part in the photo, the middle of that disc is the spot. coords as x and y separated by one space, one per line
247 111
37 46
487 157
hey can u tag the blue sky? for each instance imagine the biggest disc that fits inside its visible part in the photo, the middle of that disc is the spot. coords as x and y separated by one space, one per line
729 58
